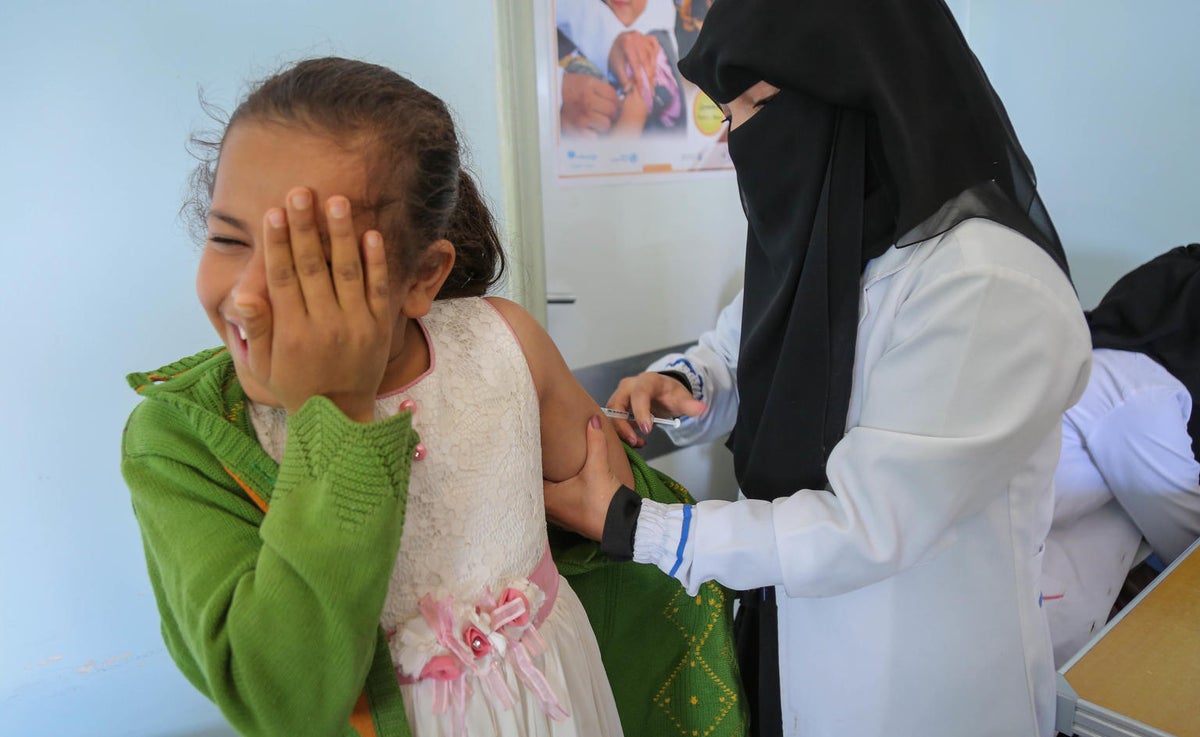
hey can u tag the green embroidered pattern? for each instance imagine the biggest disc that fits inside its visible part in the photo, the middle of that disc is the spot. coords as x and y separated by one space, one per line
696 707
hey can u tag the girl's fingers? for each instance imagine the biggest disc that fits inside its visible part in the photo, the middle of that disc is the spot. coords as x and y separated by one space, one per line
255 330
344 257
282 283
312 270
377 281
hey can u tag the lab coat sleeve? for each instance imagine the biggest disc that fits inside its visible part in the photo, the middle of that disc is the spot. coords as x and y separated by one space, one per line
980 364
710 367
1143 451
1079 488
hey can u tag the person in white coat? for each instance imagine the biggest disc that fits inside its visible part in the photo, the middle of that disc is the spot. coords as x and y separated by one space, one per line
1129 471
906 343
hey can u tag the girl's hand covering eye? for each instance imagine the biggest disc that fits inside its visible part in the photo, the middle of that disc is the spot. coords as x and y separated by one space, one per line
328 327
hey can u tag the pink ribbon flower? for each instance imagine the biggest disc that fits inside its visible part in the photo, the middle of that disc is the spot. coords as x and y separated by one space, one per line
441 668
518 615
478 642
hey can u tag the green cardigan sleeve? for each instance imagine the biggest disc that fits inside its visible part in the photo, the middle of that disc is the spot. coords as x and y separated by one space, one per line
274 617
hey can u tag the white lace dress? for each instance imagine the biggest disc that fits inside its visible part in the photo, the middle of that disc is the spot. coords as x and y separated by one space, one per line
482 644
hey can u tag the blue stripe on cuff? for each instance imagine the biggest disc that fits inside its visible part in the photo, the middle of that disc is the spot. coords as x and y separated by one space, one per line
687 524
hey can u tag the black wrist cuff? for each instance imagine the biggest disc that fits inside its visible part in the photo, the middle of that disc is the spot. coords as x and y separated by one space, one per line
620 525
681 378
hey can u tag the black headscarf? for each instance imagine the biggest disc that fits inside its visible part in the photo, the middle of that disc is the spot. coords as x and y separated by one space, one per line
1155 310
886 131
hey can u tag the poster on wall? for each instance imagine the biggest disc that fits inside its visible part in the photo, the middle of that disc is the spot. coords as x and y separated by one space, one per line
623 108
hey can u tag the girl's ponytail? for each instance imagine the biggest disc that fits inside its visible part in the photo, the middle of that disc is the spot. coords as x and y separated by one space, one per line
478 256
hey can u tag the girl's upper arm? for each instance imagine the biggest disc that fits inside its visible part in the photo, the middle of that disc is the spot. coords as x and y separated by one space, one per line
565 407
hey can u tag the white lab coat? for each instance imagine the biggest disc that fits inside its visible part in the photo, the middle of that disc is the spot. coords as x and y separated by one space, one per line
909 598
1127 470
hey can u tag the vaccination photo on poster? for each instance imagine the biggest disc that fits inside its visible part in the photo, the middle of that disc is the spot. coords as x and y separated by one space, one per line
623 108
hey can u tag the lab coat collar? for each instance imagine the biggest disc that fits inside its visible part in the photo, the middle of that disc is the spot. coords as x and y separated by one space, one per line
888 263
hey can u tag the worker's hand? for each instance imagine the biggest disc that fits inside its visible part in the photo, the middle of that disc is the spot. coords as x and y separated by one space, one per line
580 503
649 394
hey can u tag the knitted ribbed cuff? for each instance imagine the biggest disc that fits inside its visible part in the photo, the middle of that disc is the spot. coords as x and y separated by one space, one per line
361 462
677 376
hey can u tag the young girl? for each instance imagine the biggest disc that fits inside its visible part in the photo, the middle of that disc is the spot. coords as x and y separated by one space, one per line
342 507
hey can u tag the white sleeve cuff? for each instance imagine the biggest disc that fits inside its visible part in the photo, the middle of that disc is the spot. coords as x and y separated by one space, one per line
660 528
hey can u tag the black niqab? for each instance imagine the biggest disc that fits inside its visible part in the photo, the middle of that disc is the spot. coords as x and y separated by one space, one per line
1155 310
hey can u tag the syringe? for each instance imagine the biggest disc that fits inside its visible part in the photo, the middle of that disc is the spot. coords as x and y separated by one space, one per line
623 415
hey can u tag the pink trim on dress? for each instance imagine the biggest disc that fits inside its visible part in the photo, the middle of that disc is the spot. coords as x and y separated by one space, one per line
504 320
428 371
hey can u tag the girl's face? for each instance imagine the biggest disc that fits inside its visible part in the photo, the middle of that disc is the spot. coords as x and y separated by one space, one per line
259 164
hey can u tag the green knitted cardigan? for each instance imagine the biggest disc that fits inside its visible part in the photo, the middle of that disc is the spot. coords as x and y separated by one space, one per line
275 617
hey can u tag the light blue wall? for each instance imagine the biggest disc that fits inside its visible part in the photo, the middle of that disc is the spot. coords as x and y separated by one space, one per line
98 100
1105 97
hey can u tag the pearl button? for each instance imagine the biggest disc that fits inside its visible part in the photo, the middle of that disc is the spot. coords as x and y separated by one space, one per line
419 452
407 404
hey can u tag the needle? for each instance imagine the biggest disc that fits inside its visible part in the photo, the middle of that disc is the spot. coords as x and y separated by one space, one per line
622 415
